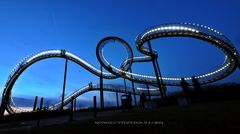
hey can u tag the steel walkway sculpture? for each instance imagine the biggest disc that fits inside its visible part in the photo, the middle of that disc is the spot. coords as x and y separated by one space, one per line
201 32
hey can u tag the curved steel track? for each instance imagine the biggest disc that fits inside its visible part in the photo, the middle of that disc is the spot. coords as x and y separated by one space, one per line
191 30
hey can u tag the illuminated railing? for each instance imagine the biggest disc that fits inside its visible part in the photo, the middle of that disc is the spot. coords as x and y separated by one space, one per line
106 87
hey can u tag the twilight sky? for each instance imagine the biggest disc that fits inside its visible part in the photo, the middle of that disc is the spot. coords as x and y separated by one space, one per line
29 26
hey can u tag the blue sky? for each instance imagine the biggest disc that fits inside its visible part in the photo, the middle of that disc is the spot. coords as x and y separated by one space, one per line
29 26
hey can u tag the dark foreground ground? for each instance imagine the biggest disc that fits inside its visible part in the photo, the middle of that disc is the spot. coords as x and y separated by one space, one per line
214 118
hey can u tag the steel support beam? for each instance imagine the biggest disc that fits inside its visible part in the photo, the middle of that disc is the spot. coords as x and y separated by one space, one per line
163 86
101 90
72 109
64 83
149 95
39 112
125 85
35 103
134 95
155 69
117 99
94 106
75 104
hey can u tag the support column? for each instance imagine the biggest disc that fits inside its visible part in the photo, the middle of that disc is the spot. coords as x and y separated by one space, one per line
155 69
40 110
72 109
35 103
94 106
117 99
3 106
125 85
75 104
41 104
64 84
134 95
101 90
149 95
163 86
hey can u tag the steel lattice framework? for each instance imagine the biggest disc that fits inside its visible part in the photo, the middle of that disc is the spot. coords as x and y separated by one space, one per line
192 30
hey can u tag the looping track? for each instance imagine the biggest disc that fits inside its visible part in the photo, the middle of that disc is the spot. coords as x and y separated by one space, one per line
192 30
